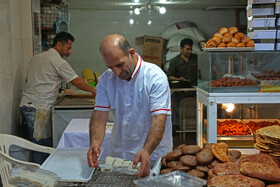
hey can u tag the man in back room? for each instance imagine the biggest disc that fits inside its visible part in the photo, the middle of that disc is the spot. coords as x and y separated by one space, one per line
182 67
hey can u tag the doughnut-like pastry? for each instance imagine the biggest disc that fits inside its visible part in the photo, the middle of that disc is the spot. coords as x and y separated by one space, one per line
250 43
226 39
222 45
210 44
245 39
217 40
239 35
231 44
223 30
235 40
232 30
229 35
241 45
218 35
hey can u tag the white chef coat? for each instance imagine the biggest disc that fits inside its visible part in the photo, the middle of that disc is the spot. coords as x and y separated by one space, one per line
133 104
46 71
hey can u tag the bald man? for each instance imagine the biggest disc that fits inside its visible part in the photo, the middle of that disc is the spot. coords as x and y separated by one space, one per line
138 94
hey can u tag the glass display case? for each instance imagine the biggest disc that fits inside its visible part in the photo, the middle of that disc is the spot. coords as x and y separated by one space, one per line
238 71
253 106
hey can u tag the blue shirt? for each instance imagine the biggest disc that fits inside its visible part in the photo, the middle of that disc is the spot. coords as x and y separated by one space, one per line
133 104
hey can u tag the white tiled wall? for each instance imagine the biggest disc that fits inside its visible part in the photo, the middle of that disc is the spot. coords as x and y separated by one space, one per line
15 52
89 27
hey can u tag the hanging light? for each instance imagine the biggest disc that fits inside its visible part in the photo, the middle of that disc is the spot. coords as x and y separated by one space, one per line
131 21
149 22
137 11
162 10
228 107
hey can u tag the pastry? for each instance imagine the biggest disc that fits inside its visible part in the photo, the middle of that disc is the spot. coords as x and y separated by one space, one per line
188 160
219 150
261 158
228 34
228 168
235 40
226 39
245 40
217 40
250 43
191 149
235 153
164 171
181 168
232 30
222 45
239 35
172 164
223 30
218 35
173 155
210 44
234 181
205 157
231 44
261 171
202 168
196 173
240 45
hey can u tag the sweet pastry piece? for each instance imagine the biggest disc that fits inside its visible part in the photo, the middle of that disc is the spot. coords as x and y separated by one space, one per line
234 181
235 40
241 45
181 146
226 39
173 155
210 44
250 43
181 168
217 40
191 149
231 44
211 174
214 163
232 30
205 157
218 35
261 171
223 30
196 173
245 40
222 45
228 34
219 150
172 164
239 35
228 168
188 160
274 185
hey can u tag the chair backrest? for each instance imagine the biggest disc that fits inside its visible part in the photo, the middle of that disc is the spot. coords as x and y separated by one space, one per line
6 161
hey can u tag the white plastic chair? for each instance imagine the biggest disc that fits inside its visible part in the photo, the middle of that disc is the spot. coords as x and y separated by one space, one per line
6 161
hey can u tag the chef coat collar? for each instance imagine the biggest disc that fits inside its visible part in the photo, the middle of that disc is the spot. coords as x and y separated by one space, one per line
138 66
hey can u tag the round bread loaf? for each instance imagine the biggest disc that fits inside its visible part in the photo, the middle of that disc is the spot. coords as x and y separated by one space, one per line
250 43
188 160
181 168
234 153
196 173
173 155
222 45
227 168
233 30
235 40
231 44
228 34
223 30
204 157
190 149
217 40
226 39
240 45
164 171
245 40
234 181
218 35
203 168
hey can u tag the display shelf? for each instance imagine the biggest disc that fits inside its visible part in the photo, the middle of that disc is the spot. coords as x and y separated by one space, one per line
211 100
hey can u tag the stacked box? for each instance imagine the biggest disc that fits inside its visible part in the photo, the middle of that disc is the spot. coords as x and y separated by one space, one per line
261 23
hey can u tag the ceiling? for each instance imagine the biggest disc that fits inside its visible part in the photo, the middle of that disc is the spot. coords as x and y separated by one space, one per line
171 5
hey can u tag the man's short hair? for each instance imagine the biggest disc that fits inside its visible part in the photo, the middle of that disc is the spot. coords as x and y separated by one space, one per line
186 41
62 37
125 46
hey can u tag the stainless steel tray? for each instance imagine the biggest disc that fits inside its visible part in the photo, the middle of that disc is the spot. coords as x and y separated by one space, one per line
70 164
236 89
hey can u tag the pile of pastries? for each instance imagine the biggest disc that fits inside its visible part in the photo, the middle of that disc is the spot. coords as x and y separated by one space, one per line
223 167
229 37
233 82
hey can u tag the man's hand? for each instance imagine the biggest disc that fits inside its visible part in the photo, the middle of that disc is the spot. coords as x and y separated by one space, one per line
144 157
93 155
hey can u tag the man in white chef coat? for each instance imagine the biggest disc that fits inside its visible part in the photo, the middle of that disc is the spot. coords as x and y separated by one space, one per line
138 94
46 71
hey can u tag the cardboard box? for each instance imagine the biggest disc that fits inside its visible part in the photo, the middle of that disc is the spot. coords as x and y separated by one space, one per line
260 10
264 46
261 22
152 49
262 34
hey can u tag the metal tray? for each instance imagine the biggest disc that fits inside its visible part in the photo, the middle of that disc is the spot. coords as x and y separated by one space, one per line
70 164
236 89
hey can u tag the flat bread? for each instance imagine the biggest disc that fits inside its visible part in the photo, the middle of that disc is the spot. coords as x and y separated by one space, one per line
261 171
219 150
227 168
261 158
234 181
